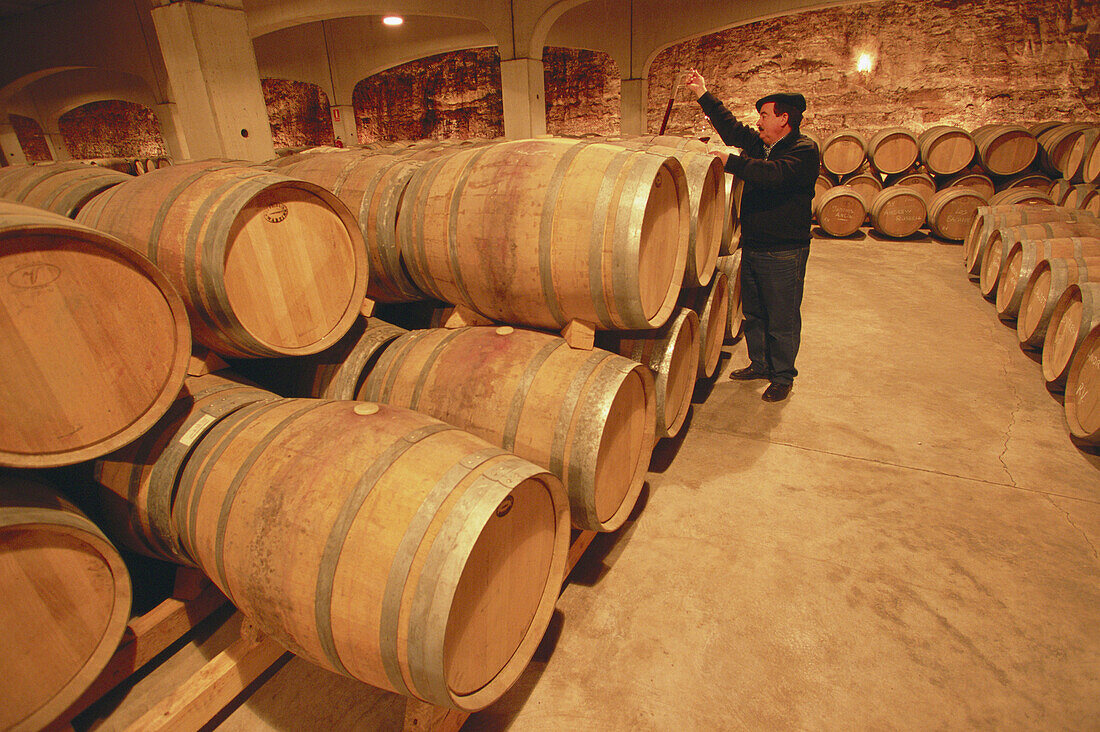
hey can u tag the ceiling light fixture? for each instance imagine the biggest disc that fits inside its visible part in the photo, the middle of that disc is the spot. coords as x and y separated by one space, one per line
865 63
393 20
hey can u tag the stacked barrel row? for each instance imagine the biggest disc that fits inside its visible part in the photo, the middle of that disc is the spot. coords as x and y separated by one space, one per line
1040 265
416 554
900 181
377 541
622 235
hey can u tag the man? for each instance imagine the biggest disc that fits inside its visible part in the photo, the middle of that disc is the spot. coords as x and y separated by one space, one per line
779 166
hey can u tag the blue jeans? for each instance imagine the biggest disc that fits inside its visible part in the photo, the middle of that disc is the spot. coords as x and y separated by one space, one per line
771 299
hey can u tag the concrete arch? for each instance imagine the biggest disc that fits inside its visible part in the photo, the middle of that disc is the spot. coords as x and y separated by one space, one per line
269 16
55 94
337 54
545 25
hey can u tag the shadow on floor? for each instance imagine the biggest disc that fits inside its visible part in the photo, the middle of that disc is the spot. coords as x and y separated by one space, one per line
597 560
664 452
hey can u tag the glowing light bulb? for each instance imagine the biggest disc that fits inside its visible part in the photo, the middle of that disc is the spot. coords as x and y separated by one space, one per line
865 62
393 20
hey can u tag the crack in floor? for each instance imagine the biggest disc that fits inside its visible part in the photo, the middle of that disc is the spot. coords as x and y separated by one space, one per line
1069 519
1017 405
902 466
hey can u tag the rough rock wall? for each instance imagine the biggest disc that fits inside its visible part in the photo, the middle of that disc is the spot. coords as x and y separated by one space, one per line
582 92
298 112
458 95
31 139
111 129
448 96
959 62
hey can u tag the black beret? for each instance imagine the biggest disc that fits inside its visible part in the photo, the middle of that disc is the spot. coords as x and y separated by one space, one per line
797 101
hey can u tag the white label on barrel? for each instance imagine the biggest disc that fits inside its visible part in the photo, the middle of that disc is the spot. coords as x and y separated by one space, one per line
197 429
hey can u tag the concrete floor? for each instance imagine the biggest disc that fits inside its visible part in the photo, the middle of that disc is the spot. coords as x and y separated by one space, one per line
908 542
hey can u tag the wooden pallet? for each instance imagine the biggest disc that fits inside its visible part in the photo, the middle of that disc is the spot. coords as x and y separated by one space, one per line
202 695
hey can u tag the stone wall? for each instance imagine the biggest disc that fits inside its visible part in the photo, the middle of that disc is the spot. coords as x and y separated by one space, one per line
457 95
452 95
298 112
582 92
957 62
31 139
111 129
960 62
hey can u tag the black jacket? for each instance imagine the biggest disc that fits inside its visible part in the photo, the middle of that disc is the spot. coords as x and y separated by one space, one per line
778 190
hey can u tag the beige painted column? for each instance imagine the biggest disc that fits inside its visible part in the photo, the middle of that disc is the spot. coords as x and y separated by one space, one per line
524 94
10 148
170 131
633 100
56 143
343 124
213 80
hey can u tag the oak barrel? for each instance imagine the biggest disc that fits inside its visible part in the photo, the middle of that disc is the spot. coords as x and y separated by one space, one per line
1025 194
991 218
66 602
62 188
1027 180
866 183
843 152
951 211
945 150
1075 314
672 354
1082 401
1022 258
586 416
1005 149
731 230
1000 242
706 185
1083 163
338 372
543 232
267 265
1049 279
922 182
892 150
711 304
372 186
978 181
398 550
1056 147
138 482
94 341
1084 197
840 211
898 211
731 267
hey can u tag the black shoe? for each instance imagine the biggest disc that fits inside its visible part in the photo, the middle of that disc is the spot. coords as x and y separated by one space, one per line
776 392
747 374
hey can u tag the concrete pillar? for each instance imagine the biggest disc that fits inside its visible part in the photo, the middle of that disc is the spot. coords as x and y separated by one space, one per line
343 124
633 101
56 143
11 151
170 131
213 79
524 93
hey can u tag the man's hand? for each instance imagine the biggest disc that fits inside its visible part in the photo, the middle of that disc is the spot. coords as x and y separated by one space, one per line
694 80
721 155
